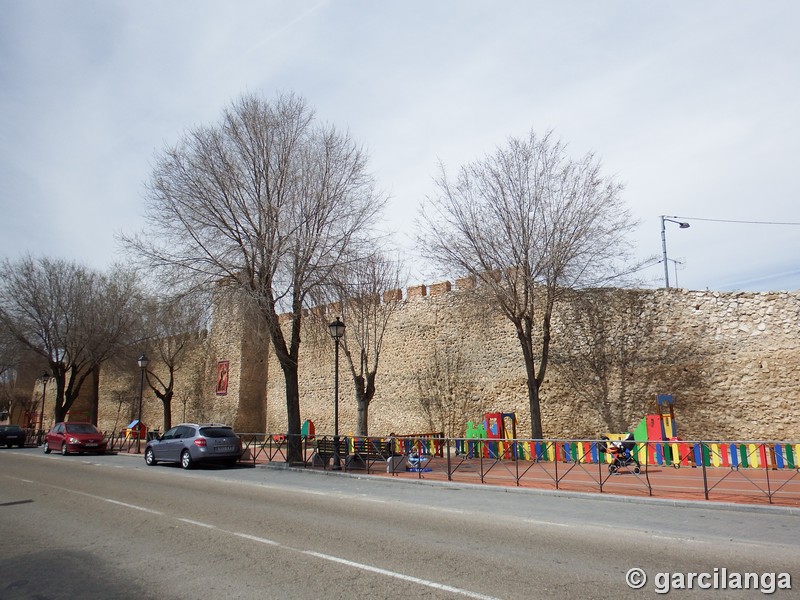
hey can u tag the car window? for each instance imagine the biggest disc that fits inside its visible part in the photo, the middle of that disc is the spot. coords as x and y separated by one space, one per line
59 428
81 428
187 432
179 432
217 432
170 434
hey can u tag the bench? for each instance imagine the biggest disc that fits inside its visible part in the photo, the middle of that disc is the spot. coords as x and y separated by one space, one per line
371 449
325 450
357 453
367 451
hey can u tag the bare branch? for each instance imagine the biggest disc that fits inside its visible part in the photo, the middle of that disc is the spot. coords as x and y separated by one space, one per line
528 223
267 200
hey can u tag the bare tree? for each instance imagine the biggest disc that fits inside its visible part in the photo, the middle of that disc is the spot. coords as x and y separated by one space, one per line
72 317
8 371
174 327
124 399
528 222
446 391
268 200
18 366
610 331
611 360
359 290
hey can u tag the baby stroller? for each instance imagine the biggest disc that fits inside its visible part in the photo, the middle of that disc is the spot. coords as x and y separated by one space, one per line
622 451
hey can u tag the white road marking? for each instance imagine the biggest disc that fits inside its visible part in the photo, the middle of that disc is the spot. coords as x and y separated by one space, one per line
409 578
260 540
198 523
540 522
126 505
671 538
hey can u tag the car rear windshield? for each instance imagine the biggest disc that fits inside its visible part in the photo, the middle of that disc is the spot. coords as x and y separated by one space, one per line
216 432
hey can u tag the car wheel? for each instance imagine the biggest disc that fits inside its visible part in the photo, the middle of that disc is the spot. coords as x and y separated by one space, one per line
149 457
64 450
186 459
46 448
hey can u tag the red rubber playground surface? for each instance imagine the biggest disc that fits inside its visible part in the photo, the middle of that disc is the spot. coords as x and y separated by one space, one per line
780 487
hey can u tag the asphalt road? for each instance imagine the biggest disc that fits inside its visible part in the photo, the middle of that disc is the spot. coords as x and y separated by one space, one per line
110 527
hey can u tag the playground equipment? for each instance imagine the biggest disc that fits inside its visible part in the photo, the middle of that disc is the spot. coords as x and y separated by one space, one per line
655 442
657 427
661 427
496 435
135 430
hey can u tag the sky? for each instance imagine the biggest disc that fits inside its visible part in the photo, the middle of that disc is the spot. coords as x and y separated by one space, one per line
693 106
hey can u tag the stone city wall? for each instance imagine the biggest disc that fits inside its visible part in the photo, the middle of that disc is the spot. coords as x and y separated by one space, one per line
731 360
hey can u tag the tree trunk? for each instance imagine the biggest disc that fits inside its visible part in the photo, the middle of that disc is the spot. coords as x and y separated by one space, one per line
536 413
166 400
61 405
365 392
532 381
294 445
363 412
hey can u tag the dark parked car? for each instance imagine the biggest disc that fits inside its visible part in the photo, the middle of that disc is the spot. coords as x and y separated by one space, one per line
190 443
12 435
74 437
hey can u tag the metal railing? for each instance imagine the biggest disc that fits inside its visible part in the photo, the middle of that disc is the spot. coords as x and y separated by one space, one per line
752 471
720 470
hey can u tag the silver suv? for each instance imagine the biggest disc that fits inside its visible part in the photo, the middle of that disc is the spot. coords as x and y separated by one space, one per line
190 443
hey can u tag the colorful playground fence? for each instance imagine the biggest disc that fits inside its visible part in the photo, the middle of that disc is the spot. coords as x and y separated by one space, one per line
675 453
766 470
720 462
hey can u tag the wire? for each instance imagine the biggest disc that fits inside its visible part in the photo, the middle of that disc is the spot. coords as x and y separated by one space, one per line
762 279
732 221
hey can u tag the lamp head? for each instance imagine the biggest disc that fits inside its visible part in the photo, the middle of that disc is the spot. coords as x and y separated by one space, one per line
680 224
336 329
143 361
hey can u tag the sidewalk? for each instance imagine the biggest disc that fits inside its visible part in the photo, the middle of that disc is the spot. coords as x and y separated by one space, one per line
764 487
747 487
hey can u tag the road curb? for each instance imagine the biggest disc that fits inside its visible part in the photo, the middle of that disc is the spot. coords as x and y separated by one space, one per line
602 497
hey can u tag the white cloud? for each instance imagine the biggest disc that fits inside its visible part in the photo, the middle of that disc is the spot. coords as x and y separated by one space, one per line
692 105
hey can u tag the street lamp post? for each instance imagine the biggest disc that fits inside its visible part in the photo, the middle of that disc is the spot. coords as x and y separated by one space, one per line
675 264
45 379
337 332
143 367
680 224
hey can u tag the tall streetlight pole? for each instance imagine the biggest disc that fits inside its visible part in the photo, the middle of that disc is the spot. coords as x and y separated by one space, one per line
680 224
45 378
142 362
337 332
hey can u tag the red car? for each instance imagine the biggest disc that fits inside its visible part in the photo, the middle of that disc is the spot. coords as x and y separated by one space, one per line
74 437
